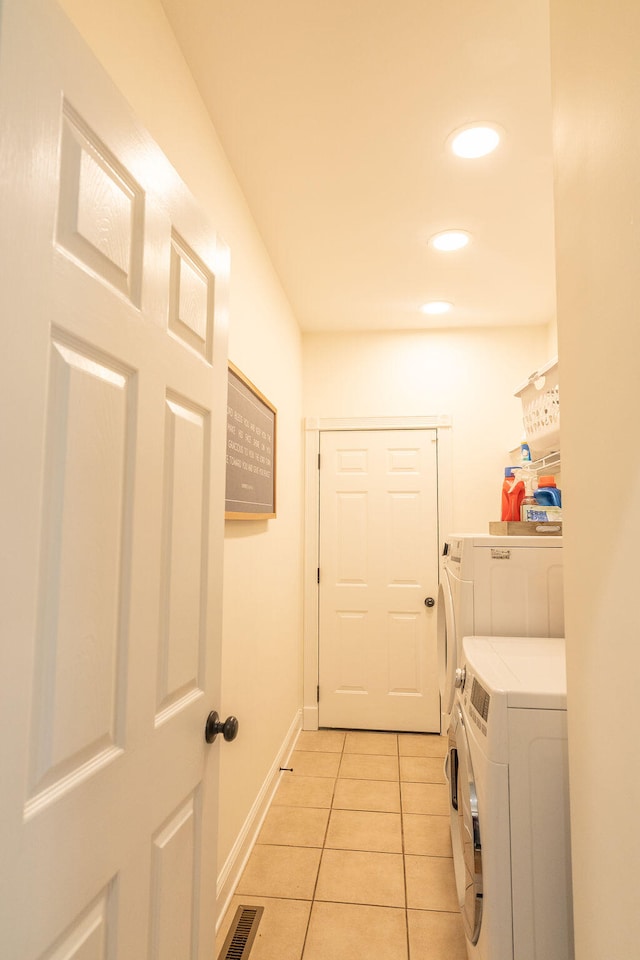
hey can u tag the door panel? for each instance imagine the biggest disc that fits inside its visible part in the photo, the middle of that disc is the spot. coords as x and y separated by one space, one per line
100 216
184 551
405 636
351 634
93 935
114 381
378 562
191 298
174 874
352 526
77 720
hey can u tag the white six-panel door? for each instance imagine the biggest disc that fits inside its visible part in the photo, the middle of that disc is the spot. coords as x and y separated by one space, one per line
378 564
113 393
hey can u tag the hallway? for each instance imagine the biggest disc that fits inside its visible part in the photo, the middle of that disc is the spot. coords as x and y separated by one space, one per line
354 857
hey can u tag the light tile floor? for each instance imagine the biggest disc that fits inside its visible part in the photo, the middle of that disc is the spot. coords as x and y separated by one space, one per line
354 858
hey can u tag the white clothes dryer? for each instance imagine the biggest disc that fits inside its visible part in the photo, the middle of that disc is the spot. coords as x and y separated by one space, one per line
507 769
499 587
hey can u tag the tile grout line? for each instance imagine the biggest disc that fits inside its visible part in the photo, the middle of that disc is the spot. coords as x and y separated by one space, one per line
326 831
404 860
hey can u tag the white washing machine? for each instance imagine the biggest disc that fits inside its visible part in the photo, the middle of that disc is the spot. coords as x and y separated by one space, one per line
498 587
507 769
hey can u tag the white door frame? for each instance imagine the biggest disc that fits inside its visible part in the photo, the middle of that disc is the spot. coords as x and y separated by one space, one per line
313 428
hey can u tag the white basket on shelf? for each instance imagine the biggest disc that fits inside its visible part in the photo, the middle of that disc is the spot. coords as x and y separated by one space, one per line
540 397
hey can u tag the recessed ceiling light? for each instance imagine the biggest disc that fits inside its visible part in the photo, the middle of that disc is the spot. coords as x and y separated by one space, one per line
436 306
450 240
475 140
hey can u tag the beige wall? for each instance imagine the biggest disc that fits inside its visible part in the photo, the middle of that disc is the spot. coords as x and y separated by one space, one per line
468 374
595 57
261 677
552 338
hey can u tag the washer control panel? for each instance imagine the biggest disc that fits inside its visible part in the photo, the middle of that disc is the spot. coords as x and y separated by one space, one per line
480 699
475 698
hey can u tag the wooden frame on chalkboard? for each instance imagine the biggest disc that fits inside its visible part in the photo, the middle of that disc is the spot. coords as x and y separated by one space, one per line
251 451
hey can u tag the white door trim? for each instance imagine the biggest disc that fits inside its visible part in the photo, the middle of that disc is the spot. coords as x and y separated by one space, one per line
313 427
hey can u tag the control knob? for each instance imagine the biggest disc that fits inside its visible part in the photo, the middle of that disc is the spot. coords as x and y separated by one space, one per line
461 673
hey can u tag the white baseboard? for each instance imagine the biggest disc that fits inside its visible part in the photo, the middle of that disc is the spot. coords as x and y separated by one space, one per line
235 863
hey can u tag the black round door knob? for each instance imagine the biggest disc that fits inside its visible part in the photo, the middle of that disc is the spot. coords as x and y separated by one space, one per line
214 726
429 602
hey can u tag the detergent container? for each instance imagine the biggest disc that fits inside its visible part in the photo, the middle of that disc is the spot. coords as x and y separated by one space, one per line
512 494
547 494
528 501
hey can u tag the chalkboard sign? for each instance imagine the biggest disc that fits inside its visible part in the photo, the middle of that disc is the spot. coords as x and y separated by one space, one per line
251 451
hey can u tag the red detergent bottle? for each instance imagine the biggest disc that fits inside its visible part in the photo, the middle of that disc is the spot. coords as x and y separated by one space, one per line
512 494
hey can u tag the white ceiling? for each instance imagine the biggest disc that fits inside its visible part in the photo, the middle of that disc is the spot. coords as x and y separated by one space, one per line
335 114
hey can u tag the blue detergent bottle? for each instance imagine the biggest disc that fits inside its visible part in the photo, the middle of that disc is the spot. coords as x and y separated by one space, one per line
547 494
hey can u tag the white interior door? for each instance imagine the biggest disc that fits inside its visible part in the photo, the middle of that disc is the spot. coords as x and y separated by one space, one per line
113 395
378 667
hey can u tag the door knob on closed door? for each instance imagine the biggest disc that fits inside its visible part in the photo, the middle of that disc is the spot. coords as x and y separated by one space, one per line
429 602
214 726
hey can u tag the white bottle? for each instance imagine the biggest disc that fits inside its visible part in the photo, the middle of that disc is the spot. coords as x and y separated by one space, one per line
529 502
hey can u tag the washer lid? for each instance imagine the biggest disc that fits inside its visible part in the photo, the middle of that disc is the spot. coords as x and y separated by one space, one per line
527 672
463 542
466 551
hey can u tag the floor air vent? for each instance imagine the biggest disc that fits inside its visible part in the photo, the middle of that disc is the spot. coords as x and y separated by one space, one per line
242 933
